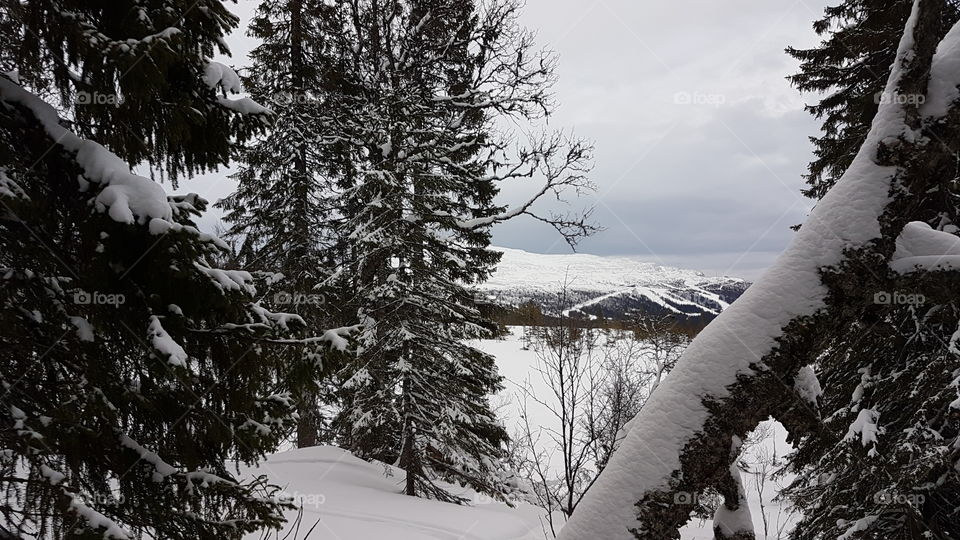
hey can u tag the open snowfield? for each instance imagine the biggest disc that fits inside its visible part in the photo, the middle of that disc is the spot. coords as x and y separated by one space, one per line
346 498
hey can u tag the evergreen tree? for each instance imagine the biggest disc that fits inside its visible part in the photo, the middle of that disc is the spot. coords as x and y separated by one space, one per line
852 65
885 456
132 369
418 87
282 210
135 75
882 460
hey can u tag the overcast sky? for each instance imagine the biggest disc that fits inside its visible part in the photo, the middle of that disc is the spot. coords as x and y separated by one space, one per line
700 141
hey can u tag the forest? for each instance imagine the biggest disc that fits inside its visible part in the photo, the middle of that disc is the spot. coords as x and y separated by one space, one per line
335 345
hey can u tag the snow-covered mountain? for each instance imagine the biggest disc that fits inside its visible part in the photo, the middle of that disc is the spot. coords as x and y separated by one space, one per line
609 286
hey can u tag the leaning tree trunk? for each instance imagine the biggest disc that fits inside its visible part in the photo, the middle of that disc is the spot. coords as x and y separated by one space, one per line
742 368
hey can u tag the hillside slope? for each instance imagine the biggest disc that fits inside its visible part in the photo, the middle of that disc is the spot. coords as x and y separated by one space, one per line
609 287
346 498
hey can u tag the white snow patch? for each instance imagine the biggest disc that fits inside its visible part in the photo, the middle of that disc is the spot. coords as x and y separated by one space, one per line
858 526
52 476
942 89
243 105
865 426
223 76
921 247
165 344
84 328
355 499
807 385
229 280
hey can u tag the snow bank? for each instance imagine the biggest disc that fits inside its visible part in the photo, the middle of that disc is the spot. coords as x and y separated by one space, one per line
358 500
351 499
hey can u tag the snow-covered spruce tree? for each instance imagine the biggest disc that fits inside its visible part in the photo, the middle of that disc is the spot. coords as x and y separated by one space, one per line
132 371
282 209
868 235
851 65
131 365
418 92
135 75
884 461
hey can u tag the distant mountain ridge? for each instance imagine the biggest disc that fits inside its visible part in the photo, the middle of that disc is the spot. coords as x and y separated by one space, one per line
608 286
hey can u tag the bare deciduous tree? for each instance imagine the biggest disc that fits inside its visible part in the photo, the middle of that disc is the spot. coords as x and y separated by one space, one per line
589 382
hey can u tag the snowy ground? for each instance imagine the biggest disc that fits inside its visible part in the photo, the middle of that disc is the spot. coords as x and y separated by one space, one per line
350 499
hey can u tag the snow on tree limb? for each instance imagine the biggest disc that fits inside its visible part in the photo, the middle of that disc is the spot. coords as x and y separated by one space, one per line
165 344
126 196
336 338
942 90
920 247
219 76
736 372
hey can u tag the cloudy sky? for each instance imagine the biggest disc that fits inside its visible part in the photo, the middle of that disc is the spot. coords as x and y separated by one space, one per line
700 142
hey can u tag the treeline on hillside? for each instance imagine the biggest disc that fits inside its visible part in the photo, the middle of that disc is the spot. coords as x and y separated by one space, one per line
531 314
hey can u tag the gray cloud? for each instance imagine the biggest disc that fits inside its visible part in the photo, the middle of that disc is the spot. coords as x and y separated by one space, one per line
701 143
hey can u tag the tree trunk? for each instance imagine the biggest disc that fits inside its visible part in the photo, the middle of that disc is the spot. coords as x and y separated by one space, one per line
308 426
408 450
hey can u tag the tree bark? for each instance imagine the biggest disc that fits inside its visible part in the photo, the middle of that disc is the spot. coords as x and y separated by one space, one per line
308 426
408 451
